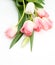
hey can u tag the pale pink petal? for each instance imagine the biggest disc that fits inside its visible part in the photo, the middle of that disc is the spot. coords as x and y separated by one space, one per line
47 23
38 26
10 32
50 23
42 13
28 32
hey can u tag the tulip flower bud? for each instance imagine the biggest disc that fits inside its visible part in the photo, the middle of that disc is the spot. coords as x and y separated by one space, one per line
38 26
30 8
42 13
27 28
10 32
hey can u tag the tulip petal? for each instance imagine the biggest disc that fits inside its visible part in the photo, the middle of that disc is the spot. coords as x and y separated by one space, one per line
42 13
47 23
10 32
27 28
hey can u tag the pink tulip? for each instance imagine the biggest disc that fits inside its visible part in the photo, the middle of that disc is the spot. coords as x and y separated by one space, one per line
46 23
27 28
10 32
38 25
42 13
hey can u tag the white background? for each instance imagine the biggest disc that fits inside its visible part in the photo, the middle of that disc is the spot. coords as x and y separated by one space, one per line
44 42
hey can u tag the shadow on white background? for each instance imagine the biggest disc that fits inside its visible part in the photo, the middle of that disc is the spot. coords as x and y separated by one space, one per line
44 42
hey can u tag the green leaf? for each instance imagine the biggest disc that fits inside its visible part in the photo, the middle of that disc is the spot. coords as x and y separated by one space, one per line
22 22
20 12
36 1
18 5
25 41
20 0
41 1
38 5
14 0
31 41
32 0
17 37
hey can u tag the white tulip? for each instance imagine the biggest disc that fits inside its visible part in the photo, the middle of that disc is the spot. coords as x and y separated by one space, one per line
30 8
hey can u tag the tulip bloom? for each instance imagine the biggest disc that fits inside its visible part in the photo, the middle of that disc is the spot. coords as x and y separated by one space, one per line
38 26
27 28
46 23
30 8
42 13
10 32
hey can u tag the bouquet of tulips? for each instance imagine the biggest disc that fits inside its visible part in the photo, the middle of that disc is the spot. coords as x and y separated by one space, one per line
32 17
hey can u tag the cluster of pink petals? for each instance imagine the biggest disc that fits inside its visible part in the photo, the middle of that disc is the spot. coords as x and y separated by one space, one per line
43 21
11 32
40 22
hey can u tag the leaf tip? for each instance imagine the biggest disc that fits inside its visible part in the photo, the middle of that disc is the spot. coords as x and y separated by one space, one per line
10 47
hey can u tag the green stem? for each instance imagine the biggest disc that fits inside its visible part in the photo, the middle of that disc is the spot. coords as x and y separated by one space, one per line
23 12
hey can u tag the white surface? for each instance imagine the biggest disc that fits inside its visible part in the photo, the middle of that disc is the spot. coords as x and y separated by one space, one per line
44 42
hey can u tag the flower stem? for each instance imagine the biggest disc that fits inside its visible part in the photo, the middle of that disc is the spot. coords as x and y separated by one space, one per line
23 13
